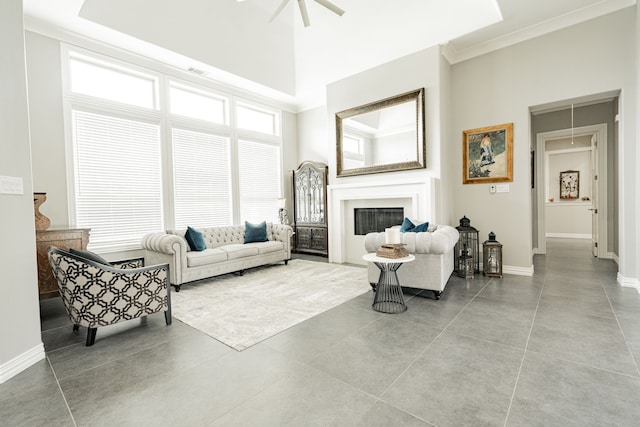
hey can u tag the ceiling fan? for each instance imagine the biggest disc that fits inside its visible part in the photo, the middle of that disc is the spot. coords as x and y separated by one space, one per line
303 9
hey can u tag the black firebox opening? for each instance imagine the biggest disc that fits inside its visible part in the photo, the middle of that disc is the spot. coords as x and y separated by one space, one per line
375 220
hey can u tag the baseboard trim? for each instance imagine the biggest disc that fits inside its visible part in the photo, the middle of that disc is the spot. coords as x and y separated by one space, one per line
628 282
569 235
518 271
19 363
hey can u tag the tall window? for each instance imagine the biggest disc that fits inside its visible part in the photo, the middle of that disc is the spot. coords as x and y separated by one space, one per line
118 192
151 152
202 179
259 166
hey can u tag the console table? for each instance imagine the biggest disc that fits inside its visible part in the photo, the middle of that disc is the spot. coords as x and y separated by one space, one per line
389 297
63 238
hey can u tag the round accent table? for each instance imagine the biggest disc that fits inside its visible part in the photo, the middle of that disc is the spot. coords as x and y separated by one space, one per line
389 297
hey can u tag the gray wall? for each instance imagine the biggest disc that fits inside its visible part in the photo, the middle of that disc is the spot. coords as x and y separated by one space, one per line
20 342
501 86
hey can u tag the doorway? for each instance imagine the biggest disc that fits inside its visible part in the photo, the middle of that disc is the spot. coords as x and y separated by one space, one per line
572 171
596 123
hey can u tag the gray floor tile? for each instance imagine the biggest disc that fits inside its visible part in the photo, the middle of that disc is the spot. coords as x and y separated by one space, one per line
458 381
580 328
41 406
38 375
306 340
625 301
383 415
372 358
582 338
305 398
553 392
499 321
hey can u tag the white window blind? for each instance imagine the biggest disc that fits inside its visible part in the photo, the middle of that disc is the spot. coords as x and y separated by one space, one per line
202 179
259 171
118 185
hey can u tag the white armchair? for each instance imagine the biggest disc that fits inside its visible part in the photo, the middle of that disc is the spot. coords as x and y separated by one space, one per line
434 258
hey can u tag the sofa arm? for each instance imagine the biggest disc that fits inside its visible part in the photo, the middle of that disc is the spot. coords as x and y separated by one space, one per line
165 243
161 248
282 233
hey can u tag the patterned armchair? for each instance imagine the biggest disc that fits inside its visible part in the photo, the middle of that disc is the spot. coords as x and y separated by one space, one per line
96 294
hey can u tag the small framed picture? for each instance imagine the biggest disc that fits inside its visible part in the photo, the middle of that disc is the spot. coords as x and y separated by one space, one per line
487 154
569 184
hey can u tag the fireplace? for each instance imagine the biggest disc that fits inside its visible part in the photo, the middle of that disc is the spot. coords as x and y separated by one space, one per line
416 197
373 220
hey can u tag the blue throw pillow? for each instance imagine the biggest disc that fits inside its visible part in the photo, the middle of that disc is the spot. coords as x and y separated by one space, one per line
408 226
255 232
195 239
90 256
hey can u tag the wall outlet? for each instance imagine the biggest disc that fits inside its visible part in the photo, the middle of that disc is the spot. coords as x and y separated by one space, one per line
11 185
492 188
502 188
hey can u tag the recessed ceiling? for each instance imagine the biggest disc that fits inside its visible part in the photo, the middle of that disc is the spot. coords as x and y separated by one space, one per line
235 44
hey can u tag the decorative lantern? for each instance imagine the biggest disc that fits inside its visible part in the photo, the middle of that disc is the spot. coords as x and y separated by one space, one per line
492 257
468 240
465 264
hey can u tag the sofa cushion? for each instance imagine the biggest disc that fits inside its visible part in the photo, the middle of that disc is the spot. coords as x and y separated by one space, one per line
268 247
235 251
410 226
206 257
195 239
255 232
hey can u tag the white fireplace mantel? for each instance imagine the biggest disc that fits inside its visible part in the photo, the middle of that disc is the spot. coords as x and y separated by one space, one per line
421 193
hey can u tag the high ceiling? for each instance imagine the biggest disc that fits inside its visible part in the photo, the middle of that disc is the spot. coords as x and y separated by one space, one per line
233 42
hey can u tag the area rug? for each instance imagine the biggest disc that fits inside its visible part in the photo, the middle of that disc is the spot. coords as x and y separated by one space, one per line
241 311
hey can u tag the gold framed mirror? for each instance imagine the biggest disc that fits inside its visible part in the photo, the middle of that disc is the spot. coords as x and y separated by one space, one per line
383 136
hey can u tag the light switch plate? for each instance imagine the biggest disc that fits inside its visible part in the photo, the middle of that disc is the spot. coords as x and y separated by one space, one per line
11 185
502 188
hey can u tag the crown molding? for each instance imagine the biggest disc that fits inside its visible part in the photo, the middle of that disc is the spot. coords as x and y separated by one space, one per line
605 7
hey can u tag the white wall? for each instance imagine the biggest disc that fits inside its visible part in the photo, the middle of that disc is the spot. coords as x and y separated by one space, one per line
20 340
499 87
313 137
47 130
226 34
419 70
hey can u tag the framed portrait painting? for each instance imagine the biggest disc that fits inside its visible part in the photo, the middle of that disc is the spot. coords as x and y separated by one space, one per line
487 154
569 184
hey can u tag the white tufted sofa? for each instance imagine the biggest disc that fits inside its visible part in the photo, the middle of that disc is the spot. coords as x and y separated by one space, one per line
433 265
226 252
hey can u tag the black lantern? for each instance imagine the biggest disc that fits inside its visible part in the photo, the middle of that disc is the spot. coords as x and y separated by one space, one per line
465 264
492 257
469 241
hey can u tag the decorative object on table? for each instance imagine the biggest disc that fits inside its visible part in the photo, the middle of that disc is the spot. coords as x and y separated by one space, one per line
465 264
42 222
492 257
469 240
487 154
283 215
310 208
569 184
392 250
552 199
392 235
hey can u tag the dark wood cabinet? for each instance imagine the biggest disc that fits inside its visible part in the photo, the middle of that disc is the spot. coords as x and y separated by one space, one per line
310 208
62 238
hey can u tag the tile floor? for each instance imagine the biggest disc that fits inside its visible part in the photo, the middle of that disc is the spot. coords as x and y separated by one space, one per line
561 348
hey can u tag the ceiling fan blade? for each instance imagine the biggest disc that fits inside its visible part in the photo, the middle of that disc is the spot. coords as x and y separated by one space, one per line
305 14
332 7
278 10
